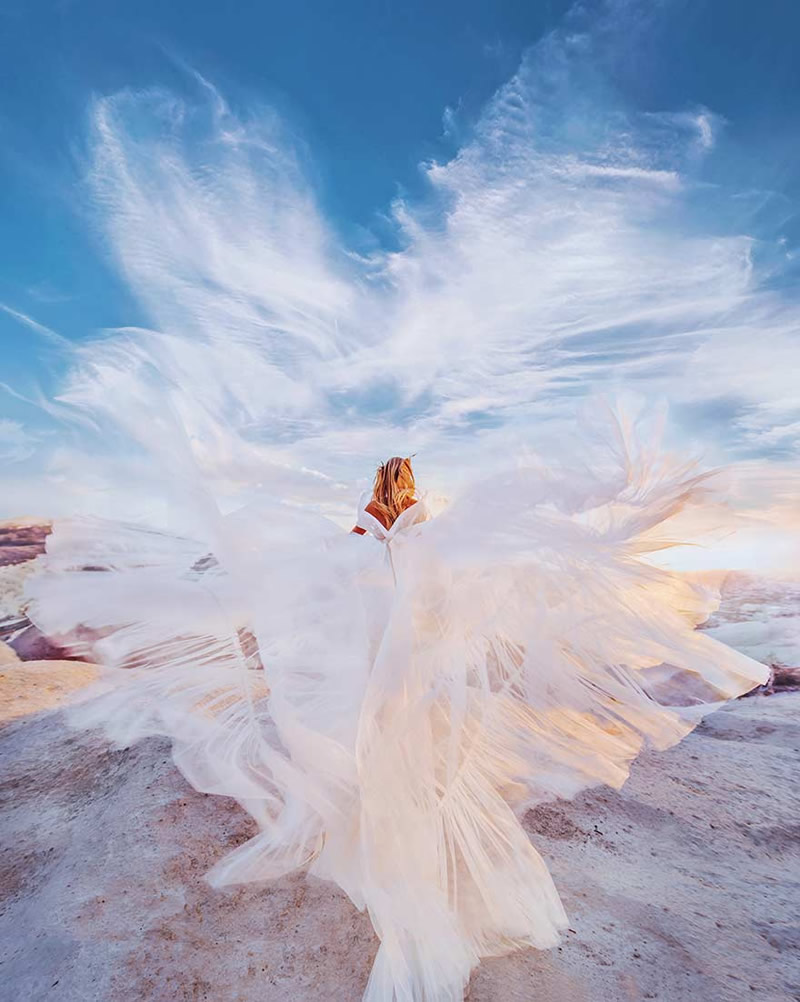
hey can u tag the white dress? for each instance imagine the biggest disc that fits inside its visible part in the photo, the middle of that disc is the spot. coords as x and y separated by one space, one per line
387 706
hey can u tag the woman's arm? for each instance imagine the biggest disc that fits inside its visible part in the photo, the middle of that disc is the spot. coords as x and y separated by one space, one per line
375 514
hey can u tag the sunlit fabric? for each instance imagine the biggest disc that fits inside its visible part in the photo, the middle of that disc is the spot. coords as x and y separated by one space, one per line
386 706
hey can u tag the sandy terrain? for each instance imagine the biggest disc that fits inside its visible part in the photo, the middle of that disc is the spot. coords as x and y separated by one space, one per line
29 686
679 888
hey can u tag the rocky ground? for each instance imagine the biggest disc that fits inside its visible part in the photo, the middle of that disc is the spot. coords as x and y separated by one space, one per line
20 543
684 886
681 887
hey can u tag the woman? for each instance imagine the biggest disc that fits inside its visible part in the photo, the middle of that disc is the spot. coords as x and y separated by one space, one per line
409 695
392 492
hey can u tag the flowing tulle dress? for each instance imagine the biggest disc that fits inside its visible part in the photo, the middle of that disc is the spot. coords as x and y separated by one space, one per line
387 706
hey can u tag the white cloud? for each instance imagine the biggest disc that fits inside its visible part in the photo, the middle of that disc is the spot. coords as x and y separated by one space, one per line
549 261
705 130
43 331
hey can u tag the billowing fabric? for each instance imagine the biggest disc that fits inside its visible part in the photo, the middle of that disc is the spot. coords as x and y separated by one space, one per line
387 706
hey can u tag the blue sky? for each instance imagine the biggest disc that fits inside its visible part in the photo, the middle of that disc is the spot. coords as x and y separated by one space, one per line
366 83
670 130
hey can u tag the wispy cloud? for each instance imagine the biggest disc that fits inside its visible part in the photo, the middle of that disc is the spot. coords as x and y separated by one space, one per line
554 256
46 332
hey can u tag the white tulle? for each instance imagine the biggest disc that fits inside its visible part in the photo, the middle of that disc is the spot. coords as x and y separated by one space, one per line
387 706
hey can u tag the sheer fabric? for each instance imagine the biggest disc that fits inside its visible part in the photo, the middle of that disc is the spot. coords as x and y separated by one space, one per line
387 706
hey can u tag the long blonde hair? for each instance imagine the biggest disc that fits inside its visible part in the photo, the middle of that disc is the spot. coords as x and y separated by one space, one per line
394 487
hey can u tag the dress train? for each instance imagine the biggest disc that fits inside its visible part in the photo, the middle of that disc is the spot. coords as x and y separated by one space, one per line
387 706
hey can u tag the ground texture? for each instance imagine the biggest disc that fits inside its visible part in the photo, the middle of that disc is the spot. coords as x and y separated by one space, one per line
682 887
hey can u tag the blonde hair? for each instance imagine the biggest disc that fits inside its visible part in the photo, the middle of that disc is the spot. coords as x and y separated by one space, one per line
393 488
